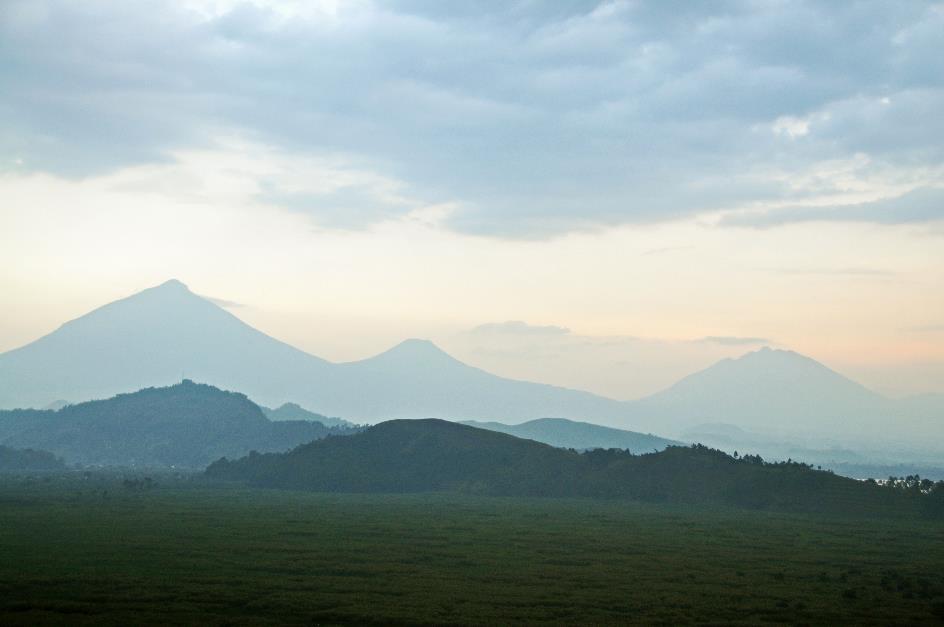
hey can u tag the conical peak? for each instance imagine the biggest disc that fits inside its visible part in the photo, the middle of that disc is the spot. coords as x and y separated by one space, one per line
776 355
414 344
419 348
168 291
173 285
414 352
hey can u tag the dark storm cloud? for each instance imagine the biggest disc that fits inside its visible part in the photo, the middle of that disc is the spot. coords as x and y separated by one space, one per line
534 118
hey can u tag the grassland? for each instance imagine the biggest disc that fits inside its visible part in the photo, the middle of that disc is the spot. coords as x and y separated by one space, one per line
88 550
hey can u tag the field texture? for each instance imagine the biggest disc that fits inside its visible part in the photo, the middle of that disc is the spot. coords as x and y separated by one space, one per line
90 550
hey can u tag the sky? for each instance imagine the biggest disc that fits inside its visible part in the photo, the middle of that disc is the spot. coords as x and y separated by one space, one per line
606 196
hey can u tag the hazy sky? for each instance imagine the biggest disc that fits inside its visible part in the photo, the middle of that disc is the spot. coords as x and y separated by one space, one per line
607 196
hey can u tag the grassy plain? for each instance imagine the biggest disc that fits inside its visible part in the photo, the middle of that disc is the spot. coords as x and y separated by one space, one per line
87 550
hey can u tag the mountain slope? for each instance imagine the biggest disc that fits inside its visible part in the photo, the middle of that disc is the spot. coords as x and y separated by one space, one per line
162 334
415 379
27 460
436 455
155 337
293 411
410 456
774 390
564 433
159 335
185 425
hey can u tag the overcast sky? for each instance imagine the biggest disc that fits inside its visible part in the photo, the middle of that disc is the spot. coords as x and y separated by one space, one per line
602 195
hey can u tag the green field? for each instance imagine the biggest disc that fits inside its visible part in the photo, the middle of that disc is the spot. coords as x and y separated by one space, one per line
184 552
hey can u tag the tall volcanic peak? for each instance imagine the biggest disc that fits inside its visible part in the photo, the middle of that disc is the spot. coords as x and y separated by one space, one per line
166 333
768 389
152 338
163 334
416 352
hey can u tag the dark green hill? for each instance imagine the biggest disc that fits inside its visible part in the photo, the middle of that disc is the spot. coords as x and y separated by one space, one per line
435 455
185 425
28 460
565 433
413 456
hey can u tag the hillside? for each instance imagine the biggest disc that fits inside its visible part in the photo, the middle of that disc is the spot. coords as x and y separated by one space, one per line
153 338
411 456
28 460
435 455
564 433
185 425
293 411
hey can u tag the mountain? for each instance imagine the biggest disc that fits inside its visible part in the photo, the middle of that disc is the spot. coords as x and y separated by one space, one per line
165 333
160 335
293 411
153 338
564 433
185 425
437 455
415 379
411 456
27 460
777 391
924 411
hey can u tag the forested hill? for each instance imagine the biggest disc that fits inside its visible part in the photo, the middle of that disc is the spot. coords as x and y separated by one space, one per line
28 460
187 425
293 411
434 455
412 456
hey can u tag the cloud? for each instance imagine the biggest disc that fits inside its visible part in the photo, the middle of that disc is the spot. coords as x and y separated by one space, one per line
226 304
924 204
732 340
620 366
532 119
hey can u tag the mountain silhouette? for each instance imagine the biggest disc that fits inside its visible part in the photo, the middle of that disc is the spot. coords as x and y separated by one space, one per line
294 411
154 338
186 425
410 456
437 456
768 389
165 333
564 433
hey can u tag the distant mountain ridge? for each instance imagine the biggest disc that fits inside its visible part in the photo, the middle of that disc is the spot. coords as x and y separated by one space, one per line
165 333
774 390
563 433
293 411
187 425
